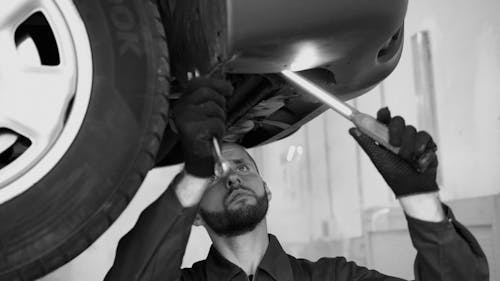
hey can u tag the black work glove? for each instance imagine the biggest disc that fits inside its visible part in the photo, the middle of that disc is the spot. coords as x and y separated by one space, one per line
400 171
200 115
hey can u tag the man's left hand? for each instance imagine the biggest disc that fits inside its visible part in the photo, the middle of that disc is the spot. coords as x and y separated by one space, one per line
416 190
399 171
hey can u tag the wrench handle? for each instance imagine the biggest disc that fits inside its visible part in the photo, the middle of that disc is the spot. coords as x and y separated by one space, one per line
380 133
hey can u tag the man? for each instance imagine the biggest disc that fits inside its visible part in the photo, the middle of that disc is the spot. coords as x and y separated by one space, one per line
233 209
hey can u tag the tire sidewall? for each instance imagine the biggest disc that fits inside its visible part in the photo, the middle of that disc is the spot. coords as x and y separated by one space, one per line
104 157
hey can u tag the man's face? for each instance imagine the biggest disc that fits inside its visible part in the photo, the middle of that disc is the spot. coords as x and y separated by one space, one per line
236 203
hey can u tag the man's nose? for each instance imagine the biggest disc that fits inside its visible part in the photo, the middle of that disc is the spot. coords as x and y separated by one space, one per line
233 181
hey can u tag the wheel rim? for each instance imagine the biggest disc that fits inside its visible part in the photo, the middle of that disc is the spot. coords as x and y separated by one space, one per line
42 106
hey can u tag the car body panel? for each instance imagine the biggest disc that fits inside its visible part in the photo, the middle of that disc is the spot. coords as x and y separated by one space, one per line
346 46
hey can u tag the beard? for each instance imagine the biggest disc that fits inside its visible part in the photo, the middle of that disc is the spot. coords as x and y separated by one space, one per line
238 221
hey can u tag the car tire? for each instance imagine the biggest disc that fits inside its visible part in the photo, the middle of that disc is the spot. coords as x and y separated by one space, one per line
83 194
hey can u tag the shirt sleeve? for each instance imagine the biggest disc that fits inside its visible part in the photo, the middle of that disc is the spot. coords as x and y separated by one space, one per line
154 248
446 251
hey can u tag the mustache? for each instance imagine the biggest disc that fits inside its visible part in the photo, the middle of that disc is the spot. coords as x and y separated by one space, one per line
233 191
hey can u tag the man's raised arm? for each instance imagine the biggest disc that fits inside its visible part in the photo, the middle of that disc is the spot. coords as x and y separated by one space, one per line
446 250
154 248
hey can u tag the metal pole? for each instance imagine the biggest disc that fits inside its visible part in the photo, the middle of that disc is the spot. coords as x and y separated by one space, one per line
425 90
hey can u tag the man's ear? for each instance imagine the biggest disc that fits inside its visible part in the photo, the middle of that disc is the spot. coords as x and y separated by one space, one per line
198 220
268 192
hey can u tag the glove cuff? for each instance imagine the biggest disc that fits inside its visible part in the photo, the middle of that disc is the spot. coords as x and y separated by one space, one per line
202 167
406 191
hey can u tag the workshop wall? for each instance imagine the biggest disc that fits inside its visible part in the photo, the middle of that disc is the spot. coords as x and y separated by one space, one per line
344 189
465 38
324 188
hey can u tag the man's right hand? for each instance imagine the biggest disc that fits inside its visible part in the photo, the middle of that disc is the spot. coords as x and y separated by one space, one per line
200 115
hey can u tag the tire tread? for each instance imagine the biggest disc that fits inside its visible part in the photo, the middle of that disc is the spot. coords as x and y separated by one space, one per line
121 197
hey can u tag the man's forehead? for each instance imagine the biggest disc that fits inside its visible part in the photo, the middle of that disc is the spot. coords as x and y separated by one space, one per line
237 153
232 151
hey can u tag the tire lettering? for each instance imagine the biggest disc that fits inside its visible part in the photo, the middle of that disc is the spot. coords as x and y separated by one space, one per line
123 20
130 42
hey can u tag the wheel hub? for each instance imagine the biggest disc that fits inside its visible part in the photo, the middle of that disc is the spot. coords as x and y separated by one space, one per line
42 103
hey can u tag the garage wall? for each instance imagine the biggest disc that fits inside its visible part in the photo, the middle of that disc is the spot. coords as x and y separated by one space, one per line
340 180
323 186
466 54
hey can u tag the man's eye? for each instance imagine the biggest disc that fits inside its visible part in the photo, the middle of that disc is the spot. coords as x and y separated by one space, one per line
243 168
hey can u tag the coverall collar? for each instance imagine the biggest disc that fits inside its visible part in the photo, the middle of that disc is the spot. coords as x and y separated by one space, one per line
275 265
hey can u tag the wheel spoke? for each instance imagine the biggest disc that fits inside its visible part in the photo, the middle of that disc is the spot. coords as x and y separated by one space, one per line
8 53
34 100
7 139
13 12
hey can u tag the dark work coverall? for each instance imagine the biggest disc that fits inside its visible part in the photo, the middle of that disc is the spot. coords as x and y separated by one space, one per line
154 248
